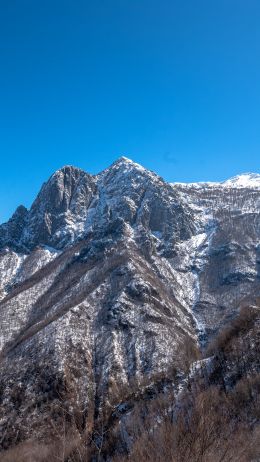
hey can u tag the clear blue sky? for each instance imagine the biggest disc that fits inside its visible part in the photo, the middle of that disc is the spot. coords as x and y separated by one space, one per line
172 84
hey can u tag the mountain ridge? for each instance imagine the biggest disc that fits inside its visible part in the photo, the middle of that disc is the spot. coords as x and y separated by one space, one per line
106 278
246 179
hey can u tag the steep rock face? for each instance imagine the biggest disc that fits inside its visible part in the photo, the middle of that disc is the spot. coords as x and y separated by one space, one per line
105 278
56 217
230 276
11 232
141 199
96 316
59 212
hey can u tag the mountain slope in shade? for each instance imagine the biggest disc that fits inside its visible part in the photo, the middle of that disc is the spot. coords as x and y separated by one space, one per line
105 279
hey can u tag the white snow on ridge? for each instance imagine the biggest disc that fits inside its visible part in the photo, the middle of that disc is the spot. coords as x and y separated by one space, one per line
198 185
10 265
128 163
245 180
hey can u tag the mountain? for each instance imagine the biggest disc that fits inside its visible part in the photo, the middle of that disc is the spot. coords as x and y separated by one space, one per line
106 278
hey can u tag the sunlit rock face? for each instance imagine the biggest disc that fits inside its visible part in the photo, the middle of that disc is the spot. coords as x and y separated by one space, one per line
230 276
105 278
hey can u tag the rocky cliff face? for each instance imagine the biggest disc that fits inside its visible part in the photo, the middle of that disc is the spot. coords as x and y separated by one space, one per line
230 275
105 278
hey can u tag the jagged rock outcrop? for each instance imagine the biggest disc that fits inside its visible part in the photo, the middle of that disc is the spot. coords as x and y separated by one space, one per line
105 278
57 215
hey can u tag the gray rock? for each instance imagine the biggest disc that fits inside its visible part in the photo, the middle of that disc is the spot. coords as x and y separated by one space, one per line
105 278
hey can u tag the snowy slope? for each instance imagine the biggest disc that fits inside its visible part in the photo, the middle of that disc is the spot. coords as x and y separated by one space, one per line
106 276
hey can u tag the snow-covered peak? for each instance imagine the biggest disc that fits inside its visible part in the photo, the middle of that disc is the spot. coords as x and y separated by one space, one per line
124 159
72 201
127 174
124 165
245 180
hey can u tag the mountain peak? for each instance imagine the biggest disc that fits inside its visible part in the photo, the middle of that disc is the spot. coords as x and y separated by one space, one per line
244 180
68 170
124 159
20 211
127 163
122 165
